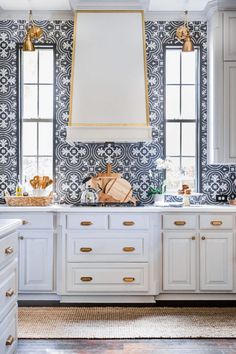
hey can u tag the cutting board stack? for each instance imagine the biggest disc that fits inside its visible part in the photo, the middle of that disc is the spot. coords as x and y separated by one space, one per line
112 188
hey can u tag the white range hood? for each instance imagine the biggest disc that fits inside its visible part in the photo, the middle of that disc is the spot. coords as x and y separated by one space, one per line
109 93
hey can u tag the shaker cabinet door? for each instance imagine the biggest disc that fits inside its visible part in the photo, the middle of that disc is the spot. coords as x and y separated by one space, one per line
229 112
216 261
179 261
229 35
36 260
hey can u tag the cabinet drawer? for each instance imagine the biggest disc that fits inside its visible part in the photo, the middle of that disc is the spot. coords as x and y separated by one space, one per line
87 221
128 221
216 221
33 220
8 333
8 288
105 277
179 221
8 248
112 247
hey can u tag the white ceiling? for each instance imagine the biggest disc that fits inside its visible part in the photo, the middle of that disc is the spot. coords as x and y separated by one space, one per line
41 5
177 5
151 5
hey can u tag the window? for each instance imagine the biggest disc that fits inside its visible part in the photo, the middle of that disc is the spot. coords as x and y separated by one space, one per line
181 112
37 97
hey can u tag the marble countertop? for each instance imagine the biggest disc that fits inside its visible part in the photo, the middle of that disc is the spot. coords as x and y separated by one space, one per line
9 225
144 209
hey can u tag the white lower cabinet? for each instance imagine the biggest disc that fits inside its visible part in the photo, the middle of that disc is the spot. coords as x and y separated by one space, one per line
179 261
216 261
36 260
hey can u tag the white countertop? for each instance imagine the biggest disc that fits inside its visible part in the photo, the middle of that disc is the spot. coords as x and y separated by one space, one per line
146 209
9 225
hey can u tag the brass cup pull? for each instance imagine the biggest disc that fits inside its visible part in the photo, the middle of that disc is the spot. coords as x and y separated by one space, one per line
10 340
86 249
128 279
86 279
10 293
86 223
128 223
128 249
25 222
203 238
193 238
180 223
9 250
216 222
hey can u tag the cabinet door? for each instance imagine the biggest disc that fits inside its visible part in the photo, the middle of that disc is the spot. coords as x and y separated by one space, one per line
36 260
216 261
229 35
179 261
229 112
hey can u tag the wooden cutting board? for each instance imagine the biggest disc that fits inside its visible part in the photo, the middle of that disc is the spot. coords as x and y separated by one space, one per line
119 189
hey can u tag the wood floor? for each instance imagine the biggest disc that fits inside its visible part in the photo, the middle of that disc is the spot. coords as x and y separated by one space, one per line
135 346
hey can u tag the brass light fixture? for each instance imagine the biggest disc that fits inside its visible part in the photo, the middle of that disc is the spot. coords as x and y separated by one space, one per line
183 34
32 32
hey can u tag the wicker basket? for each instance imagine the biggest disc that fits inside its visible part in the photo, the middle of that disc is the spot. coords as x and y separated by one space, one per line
28 201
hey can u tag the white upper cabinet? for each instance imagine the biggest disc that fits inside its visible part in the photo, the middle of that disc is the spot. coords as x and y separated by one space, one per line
230 36
222 87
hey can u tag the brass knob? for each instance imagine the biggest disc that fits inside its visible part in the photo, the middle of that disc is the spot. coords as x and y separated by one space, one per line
86 249
216 222
10 340
128 279
21 237
25 222
193 238
86 223
179 223
9 250
128 249
86 279
203 238
10 293
128 223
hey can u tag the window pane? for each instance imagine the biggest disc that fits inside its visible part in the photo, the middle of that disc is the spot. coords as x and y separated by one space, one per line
29 167
188 67
173 139
188 139
188 102
29 138
45 101
45 66
173 66
172 102
45 166
188 165
30 60
173 176
45 138
30 101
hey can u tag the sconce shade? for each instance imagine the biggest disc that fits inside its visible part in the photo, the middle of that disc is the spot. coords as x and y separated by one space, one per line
28 45
188 45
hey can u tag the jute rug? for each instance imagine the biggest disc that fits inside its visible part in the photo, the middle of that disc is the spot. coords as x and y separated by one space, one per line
126 322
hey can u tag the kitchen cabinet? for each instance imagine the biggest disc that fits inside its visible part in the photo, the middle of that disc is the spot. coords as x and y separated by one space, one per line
222 87
216 261
229 35
179 261
8 285
36 260
200 260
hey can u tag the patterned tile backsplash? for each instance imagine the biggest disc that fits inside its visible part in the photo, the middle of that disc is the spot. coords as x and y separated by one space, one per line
73 163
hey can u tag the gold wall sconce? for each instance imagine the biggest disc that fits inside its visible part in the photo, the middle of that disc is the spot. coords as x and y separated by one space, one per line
32 32
183 34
